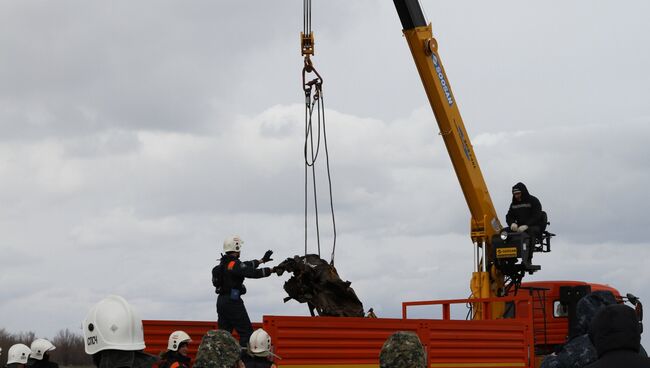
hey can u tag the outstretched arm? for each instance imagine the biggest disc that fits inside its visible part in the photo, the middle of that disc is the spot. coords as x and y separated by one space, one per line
249 269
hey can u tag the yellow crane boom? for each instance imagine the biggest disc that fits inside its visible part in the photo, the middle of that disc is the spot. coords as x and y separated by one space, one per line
487 280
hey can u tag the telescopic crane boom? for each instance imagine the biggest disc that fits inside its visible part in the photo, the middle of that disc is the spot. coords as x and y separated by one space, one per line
496 258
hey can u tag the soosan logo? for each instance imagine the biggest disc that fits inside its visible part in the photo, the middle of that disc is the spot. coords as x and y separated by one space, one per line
443 82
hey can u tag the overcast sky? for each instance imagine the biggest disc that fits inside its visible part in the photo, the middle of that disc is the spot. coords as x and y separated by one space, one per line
137 135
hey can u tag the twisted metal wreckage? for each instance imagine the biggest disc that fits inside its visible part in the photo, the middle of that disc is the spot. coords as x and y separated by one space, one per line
318 284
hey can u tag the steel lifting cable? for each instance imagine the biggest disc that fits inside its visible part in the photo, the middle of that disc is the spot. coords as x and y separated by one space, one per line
306 20
312 145
314 100
310 154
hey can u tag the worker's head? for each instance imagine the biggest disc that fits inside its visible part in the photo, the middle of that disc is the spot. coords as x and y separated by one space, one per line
615 327
402 349
178 341
232 244
18 354
112 324
518 191
184 348
259 344
40 348
218 349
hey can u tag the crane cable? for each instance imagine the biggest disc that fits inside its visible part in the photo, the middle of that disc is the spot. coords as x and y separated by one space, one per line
306 17
314 101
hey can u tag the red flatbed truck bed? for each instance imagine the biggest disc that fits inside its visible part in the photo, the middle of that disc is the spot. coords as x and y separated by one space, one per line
317 342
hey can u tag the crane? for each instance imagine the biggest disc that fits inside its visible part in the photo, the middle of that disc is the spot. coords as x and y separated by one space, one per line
540 321
502 258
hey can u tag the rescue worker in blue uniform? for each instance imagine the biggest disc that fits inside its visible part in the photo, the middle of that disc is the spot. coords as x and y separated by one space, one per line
228 279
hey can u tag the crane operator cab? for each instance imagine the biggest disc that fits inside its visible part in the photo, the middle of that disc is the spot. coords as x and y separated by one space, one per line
513 251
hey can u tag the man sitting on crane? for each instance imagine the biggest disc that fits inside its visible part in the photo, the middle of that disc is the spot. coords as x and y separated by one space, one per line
525 213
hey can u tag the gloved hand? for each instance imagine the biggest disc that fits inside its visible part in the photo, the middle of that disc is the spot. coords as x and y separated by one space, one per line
267 256
522 228
277 271
513 227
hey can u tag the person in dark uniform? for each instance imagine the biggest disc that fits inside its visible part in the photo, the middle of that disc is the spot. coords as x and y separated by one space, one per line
18 356
114 335
260 352
525 212
176 354
616 333
40 356
228 279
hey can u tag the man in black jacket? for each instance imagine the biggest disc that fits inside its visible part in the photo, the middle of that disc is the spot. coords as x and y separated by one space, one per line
228 279
616 334
525 212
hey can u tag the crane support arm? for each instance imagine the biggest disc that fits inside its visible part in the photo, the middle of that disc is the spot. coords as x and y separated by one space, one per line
486 281
501 256
424 48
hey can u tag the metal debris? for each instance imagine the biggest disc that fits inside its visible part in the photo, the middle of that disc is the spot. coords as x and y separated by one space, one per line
318 284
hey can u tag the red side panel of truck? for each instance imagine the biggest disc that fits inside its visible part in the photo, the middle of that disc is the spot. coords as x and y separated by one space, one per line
319 342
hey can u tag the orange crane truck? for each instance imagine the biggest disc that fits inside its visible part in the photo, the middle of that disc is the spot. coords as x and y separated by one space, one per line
539 325
510 323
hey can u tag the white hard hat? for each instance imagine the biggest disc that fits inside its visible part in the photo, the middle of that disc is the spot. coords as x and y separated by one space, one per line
18 353
232 244
176 338
40 347
113 324
260 343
